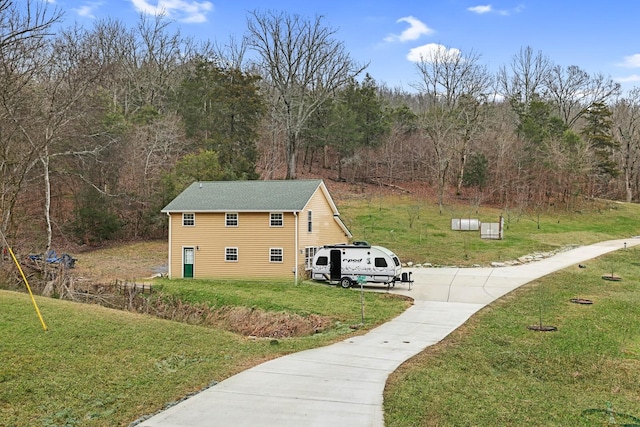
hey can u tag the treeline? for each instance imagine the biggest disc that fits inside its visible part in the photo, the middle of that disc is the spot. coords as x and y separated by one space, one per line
101 127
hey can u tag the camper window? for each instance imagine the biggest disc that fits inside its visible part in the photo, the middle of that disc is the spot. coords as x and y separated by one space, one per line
396 261
381 262
322 260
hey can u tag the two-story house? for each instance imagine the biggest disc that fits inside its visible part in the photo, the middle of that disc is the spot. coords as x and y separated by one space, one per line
250 229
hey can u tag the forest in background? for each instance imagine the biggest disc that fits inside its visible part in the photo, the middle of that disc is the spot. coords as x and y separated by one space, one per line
101 127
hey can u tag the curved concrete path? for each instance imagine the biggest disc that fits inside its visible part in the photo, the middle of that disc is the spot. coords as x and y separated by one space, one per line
343 384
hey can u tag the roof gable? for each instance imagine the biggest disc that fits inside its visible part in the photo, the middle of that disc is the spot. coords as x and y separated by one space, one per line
247 196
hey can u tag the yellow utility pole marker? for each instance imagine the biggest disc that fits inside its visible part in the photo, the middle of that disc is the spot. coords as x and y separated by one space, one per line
44 326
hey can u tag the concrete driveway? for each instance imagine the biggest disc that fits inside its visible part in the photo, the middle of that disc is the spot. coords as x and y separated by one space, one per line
342 384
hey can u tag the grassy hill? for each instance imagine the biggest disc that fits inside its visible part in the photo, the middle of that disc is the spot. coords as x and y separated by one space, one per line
417 232
494 371
101 367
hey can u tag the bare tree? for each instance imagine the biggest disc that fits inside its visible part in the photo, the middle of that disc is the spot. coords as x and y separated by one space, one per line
304 65
526 77
232 54
142 70
573 91
143 64
472 113
115 44
157 60
453 86
626 130
24 30
68 72
150 151
24 24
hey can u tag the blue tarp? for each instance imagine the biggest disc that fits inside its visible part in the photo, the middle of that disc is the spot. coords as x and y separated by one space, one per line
65 259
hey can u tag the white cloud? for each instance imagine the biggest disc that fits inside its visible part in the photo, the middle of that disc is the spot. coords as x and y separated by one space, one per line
480 9
633 78
87 10
487 8
416 29
631 61
428 51
189 11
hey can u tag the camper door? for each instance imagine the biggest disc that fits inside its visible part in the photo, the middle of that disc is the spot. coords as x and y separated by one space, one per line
335 271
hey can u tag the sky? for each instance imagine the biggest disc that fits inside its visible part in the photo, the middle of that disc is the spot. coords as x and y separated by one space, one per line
597 36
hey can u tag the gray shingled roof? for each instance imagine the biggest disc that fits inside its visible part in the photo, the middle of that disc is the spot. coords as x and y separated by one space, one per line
210 196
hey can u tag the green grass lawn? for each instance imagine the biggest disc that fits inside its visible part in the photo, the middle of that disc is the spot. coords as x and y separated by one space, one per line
303 299
495 372
416 231
102 367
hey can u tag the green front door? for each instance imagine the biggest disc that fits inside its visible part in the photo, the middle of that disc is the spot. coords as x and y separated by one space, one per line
187 263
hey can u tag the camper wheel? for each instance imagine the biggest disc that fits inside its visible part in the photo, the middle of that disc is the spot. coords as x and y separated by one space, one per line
345 282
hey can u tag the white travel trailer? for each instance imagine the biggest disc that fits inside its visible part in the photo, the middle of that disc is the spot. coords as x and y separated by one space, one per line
348 264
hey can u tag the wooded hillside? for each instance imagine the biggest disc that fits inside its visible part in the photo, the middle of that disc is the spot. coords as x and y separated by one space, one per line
100 127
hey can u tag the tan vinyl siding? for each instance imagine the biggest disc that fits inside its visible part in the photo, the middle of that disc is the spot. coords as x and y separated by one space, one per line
325 228
253 237
325 231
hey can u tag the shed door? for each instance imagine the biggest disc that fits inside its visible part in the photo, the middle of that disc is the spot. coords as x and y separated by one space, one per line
335 271
187 263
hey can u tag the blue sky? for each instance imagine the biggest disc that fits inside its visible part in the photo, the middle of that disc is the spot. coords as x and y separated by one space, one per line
598 36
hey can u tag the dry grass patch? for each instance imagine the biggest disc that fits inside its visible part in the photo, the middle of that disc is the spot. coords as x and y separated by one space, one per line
259 323
247 321
123 262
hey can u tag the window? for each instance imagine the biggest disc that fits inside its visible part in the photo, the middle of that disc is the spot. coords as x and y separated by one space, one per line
231 254
231 219
276 220
309 253
275 255
188 219
380 262
309 222
322 260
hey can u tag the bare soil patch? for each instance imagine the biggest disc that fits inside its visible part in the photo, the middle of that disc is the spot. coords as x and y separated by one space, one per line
127 261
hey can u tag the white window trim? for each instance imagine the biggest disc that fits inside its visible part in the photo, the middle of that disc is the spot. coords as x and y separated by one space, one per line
271 219
226 218
271 255
193 218
226 253
310 221
193 249
309 254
